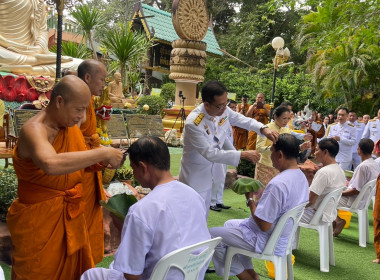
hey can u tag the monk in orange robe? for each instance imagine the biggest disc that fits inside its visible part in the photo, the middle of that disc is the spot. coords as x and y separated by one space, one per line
47 224
376 222
240 134
260 112
93 73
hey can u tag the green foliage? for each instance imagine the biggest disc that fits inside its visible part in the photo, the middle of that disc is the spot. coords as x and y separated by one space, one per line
119 204
245 185
168 92
124 173
246 168
156 105
73 49
8 191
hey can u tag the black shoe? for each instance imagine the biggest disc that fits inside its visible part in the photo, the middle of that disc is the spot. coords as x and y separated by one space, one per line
210 270
222 206
215 208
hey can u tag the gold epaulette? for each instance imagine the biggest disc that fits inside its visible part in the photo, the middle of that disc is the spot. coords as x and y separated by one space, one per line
328 129
360 121
199 118
372 120
350 124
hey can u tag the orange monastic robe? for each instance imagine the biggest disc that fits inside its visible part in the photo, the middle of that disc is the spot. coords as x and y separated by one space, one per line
240 134
376 220
260 116
93 189
46 221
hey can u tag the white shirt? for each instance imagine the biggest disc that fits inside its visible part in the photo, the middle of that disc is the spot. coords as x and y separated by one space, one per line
168 218
360 126
326 180
205 143
347 134
366 171
284 192
372 130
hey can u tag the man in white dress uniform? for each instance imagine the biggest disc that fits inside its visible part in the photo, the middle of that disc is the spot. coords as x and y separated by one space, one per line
205 142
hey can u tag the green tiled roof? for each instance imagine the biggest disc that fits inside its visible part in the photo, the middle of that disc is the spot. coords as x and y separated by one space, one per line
162 24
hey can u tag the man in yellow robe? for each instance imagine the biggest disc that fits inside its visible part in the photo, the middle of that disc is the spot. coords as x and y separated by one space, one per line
47 224
94 74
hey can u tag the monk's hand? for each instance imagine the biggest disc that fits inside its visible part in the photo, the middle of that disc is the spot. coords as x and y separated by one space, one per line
270 134
251 155
116 157
308 137
306 145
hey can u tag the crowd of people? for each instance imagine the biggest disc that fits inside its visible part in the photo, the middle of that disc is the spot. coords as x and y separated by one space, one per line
56 221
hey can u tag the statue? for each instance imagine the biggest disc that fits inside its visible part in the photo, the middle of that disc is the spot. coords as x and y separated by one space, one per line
116 90
24 39
103 110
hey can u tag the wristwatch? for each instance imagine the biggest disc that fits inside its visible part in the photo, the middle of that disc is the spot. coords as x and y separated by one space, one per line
250 199
263 127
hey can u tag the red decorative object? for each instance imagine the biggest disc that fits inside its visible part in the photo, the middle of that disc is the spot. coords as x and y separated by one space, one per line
18 89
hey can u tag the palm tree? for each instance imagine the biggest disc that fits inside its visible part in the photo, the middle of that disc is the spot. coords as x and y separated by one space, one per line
86 21
129 47
74 50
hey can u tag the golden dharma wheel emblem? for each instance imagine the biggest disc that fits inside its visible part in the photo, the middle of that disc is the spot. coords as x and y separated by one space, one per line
190 19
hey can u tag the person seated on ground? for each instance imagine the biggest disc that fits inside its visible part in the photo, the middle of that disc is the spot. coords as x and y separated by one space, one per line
47 222
327 179
284 192
366 171
170 217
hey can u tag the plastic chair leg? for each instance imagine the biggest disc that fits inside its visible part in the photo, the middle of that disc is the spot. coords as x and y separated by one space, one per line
296 241
331 244
228 262
289 264
280 268
323 248
363 228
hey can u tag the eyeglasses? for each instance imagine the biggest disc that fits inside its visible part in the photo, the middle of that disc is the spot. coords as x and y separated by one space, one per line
221 106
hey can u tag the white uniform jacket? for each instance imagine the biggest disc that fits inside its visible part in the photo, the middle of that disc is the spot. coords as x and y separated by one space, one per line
372 130
360 126
205 142
347 134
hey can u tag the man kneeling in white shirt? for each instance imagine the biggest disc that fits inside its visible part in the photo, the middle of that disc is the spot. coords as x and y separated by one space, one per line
170 217
366 171
327 179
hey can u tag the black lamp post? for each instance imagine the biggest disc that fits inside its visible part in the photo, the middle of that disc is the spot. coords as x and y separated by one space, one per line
282 55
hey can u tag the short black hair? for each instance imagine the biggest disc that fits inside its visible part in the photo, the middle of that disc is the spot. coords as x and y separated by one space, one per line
280 110
151 150
288 145
88 66
366 145
344 109
286 103
245 96
230 101
329 144
211 89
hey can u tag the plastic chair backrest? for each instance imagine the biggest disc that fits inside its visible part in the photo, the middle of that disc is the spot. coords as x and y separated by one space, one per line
187 259
334 196
367 188
294 214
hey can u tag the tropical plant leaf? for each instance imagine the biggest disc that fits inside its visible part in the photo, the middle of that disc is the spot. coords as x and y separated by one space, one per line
119 204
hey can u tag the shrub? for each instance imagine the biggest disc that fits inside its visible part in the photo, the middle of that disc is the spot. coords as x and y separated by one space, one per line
246 168
168 92
8 191
156 105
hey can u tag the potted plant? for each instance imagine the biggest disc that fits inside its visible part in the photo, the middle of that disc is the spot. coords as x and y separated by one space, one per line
125 174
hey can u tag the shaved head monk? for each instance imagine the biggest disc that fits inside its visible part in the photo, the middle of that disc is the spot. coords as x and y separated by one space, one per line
94 74
47 224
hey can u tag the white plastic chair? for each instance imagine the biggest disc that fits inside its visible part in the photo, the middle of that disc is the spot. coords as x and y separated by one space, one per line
325 231
185 260
363 222
280 263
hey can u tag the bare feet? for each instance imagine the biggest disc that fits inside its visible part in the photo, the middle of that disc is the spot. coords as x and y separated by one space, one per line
339 225
248 274
376 261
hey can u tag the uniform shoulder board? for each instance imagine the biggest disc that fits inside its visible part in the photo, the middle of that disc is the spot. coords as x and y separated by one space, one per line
350 124
199 118
360 121
372 120
328 128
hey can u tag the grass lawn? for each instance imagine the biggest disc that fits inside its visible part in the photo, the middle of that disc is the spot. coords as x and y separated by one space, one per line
352 261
